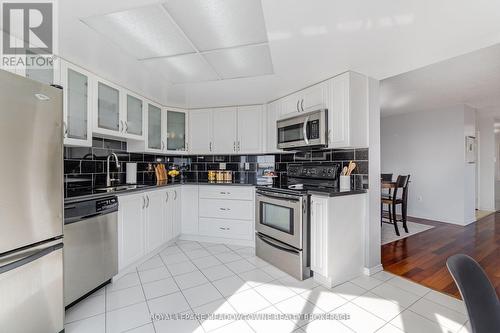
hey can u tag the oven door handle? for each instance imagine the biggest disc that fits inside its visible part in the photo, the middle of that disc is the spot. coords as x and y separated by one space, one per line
266 195
304 130
273 243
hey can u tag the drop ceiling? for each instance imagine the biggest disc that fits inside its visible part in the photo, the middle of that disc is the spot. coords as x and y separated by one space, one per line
192 40
229 52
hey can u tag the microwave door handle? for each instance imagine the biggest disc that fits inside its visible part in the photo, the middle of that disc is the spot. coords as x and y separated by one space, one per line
304 130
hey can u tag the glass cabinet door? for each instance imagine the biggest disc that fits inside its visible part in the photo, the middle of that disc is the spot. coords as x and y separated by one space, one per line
154 127
77 105
176 130
108 107
133 124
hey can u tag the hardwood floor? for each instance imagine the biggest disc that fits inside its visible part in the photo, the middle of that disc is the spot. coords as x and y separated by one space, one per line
422 257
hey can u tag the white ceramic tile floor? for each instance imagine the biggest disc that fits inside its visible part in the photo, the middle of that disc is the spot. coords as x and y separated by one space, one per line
204 278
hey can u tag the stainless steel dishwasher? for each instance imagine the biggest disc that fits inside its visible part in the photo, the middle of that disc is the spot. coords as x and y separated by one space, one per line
90 246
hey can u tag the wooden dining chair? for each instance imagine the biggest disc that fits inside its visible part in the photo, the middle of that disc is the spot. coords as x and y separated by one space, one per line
395 199
386 177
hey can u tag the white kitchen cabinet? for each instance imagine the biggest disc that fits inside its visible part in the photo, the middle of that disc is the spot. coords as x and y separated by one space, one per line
176 129
272 115
309 99
154 138
107 106
337 238
176 212
133 116
200 131
347 103
168 215
77 101
155 219
189 209
131 229
224 130
250 131
319 235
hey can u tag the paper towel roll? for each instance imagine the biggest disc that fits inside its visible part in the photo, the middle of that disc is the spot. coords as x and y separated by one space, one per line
131 173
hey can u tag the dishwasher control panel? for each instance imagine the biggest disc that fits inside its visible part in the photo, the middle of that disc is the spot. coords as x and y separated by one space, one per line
106 204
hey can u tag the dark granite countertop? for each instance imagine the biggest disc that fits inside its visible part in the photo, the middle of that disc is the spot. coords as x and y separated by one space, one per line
93 194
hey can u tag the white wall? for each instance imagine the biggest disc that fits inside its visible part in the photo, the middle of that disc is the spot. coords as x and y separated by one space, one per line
471 175
487 155
372 225
430 147
497 168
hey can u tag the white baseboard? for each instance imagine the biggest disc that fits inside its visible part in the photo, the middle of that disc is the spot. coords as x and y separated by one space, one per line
373 270
323 280
218 240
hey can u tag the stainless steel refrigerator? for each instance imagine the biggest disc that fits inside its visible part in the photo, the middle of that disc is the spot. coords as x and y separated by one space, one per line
31 206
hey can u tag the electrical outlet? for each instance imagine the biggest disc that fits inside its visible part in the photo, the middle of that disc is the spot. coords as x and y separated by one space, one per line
222 166
419 198
247 166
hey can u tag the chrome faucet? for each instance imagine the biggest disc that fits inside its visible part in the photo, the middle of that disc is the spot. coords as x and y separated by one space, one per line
108 178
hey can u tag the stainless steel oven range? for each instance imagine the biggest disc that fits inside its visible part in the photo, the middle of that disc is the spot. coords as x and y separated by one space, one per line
282 231
283 220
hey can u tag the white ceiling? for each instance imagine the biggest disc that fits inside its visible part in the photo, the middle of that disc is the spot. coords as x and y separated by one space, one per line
207 40
308 41
472 79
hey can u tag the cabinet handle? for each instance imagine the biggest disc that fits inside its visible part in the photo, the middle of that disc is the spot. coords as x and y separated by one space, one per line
166 200
302 104
238 146
147 196
210 146
224 209
297 106
222 228
234 145
330 139
175 194
126 127
162 145
143 202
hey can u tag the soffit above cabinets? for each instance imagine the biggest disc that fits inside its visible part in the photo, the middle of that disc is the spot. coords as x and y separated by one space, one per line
193 40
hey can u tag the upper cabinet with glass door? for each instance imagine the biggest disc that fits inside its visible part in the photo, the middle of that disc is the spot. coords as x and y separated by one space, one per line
133 116
107 106
77 94
153 128
176 130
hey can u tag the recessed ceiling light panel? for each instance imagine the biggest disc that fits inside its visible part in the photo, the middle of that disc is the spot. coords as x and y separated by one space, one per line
216 24
144 32
241 62
184 68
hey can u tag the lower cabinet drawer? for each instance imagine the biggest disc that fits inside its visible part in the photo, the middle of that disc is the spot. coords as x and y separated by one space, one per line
226 209
226 228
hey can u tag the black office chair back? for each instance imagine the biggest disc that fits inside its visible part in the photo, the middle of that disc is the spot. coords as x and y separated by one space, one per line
477 292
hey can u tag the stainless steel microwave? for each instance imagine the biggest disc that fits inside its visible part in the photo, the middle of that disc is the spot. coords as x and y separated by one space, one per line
305 130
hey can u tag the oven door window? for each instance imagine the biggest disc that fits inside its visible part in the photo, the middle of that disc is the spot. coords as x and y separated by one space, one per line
277 217
291 133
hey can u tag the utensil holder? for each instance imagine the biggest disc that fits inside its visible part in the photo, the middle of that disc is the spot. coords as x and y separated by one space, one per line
345 182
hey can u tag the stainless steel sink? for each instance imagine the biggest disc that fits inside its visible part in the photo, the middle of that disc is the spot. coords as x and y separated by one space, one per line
120 188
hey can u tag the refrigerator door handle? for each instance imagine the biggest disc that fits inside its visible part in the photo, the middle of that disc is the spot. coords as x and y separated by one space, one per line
30 258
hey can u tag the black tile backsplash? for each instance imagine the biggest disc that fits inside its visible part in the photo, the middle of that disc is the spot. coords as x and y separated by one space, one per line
86 167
